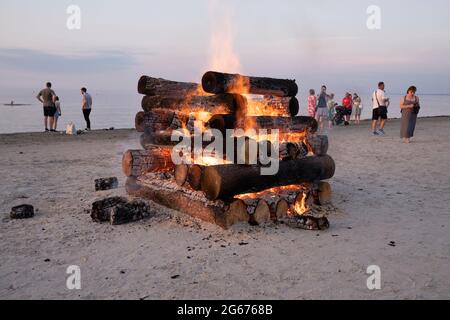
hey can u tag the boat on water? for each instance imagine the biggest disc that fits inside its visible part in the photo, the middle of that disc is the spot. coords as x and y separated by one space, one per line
13 104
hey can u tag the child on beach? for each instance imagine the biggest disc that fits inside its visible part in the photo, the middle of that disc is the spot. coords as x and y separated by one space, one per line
57 113
312 103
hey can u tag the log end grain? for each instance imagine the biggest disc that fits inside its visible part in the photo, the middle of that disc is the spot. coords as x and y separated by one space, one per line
127 163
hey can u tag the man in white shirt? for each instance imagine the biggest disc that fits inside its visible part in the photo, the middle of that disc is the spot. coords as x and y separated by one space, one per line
86 107
380 105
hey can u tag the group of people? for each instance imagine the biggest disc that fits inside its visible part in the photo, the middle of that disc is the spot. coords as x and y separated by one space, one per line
323 108
52 107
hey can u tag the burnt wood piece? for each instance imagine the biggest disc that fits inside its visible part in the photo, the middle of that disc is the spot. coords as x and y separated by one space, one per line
130 211
222 214
23 211
101 209
155 159
166 88
308 222
222 103
226 181
106 183
222 122
217 82
159 119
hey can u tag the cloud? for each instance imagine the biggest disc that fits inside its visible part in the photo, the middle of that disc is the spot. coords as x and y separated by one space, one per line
88 62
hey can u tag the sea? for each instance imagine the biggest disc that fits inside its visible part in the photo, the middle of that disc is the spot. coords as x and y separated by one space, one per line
118 110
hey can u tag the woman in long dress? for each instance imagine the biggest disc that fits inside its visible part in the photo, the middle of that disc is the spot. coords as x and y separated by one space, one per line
409 105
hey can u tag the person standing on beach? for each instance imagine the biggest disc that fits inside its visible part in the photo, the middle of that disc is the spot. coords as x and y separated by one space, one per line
322 111
57 113
312 103
46 97
86 107
331 106
347 103
357 107
409 106
380 105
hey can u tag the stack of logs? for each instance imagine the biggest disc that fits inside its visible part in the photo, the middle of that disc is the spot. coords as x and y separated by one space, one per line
218 193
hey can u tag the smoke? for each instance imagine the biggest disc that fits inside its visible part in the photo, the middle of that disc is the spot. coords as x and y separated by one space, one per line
222 54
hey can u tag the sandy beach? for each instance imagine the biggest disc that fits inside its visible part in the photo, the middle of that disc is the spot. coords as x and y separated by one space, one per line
384 192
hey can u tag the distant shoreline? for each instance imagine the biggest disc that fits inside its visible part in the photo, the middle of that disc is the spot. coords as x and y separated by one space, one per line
61 132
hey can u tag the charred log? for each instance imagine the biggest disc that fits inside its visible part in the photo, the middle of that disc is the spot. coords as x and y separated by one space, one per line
217 82
155 159
226 181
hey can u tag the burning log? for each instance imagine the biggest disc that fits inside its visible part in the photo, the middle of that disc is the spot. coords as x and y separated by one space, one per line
318 144
222 122
281 209
222 103
217 82
226 181
162 138
259 212
190 174
155 159
323 194
220 213
273 106
159 119
166 88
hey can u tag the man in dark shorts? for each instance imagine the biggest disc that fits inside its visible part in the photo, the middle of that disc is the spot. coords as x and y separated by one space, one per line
46 97
379 113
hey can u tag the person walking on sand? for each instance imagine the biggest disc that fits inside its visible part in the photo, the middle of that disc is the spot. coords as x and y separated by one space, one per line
409 106
57 113
86 107
312 103
322 111
357 108
46 97
380 110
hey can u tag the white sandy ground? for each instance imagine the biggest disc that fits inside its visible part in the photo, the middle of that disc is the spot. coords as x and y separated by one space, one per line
385 191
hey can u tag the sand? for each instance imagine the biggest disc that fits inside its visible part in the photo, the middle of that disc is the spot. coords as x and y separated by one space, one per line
384 191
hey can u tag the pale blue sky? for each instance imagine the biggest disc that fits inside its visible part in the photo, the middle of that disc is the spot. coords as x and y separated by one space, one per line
314 42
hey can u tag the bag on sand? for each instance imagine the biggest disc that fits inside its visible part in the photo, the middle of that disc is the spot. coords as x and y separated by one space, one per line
70 129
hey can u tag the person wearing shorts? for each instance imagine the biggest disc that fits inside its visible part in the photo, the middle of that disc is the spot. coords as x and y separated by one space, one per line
46 97
379 113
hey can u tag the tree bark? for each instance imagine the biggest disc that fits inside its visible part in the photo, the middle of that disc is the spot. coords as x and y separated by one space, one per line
155 159
222 122
166 88
216 82
159 119
221 103
226 181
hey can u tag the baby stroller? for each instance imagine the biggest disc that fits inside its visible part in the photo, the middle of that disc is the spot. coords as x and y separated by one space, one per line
339 117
